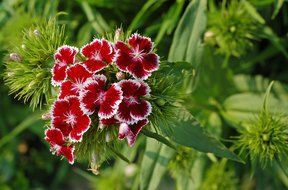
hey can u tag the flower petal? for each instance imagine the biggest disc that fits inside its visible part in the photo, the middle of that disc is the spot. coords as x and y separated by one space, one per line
94 65
110 121
58 74
68 153
135 129
110 104
90 49
78 74
129 87
143 90
122 57
142 43
54 137
137 70
150 62
123 114
124 131
80 127
89 96
67 89
65 55
140 111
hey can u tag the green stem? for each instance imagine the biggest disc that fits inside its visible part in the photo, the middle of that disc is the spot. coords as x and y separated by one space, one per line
21 127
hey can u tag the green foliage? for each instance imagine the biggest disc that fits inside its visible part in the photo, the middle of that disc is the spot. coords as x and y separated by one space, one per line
265 139
29 75
219 177
232 29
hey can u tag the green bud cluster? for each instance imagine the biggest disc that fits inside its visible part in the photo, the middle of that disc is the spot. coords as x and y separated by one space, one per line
28 67
265 139
231 29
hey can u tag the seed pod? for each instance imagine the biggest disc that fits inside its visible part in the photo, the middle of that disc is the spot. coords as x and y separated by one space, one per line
15 57
120 75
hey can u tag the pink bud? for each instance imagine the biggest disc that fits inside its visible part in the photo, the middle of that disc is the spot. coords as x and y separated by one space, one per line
120 75
46 116
124 130
15 57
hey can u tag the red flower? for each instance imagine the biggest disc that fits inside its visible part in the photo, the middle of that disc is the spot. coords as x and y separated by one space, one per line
95 96
137 57
99 54
133 107
77 75
57 143
130 132
69 118
64 56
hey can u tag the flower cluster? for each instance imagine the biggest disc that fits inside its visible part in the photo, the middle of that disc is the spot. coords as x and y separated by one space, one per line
102 83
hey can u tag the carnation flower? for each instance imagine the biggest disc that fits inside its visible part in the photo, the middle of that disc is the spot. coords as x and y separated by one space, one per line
133 107
64 56
99 54
77 75
137 57
95 96
68 117
57 143
116 103
130 132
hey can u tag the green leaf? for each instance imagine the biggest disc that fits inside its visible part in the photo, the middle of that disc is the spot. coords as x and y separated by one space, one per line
148 8
240 109
187 41
170 20
253 12
274 39
266 96
158 137
187 37
278 4
154 164
188 132
29 121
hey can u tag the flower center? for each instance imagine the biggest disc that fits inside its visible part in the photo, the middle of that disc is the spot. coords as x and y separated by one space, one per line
101 97
136 54
131 100
97 56
70 118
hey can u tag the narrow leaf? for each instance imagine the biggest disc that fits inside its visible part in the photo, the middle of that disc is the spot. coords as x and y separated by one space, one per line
158 137
189 133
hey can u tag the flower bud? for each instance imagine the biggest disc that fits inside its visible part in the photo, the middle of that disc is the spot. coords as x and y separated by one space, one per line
130 170
108 137
101 126
23 46
36 32
160 102
31 84
118 33
120 75
46 116
15 57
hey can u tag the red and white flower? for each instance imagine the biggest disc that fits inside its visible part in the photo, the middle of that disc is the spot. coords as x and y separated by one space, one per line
99 54
137 57
95 97
68 117
130 132
77 75
64 56
133 107
57 143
